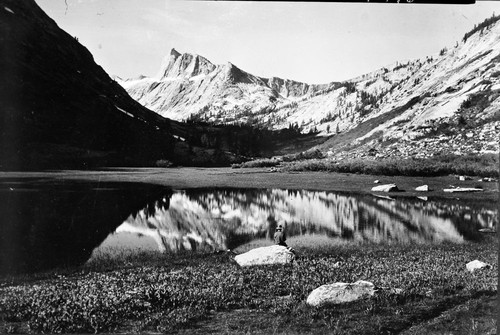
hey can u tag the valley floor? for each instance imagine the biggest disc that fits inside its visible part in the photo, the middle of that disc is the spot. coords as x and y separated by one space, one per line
209 293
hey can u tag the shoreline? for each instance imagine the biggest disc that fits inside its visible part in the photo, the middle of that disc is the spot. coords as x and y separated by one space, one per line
188 178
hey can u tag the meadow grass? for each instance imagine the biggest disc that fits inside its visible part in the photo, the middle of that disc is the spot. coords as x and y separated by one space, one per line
483 165
257 163
196 292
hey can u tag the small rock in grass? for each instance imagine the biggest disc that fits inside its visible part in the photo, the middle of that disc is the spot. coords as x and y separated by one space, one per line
385 188
338 293
376 181
477 265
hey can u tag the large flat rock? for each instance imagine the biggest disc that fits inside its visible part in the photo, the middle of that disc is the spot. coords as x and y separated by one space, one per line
339 293
274 254
385 188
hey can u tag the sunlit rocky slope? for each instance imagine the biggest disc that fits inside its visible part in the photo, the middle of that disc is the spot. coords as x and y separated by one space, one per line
444 103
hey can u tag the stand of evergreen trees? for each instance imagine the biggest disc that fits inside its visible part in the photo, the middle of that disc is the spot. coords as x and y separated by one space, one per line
480 27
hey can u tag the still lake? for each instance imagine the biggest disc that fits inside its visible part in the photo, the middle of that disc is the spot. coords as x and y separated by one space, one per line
49 225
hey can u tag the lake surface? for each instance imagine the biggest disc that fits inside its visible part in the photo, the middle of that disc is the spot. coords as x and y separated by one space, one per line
47 225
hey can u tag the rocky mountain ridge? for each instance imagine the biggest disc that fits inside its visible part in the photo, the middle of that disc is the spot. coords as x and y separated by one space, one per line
188 85
443 103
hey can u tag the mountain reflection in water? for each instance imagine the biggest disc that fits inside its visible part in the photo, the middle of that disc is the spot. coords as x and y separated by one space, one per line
222 219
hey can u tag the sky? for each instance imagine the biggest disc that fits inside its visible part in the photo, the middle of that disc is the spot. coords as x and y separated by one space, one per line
312 42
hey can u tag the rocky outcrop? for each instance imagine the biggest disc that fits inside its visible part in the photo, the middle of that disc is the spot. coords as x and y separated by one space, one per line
338 293
274 254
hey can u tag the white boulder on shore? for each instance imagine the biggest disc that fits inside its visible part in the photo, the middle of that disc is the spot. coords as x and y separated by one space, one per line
338 293
274 254
385 188
423 188
477 265
462 189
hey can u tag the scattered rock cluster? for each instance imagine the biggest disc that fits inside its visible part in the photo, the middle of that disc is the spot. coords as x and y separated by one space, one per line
472 141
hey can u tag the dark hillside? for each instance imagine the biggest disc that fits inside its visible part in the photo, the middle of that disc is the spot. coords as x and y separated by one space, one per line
60 109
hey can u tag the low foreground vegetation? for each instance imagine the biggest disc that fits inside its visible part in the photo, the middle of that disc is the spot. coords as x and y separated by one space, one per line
198 293
484 166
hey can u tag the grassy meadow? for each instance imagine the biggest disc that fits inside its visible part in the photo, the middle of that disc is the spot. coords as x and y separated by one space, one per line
203 293
480 165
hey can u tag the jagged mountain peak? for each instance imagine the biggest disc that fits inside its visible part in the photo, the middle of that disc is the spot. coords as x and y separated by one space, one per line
189 84
185 65
174 53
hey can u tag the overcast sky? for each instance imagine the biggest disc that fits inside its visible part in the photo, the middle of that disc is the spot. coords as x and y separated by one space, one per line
310 42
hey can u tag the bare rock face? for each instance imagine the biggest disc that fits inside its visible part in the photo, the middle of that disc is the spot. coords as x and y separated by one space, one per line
385 188
338 293
275 254
477 265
